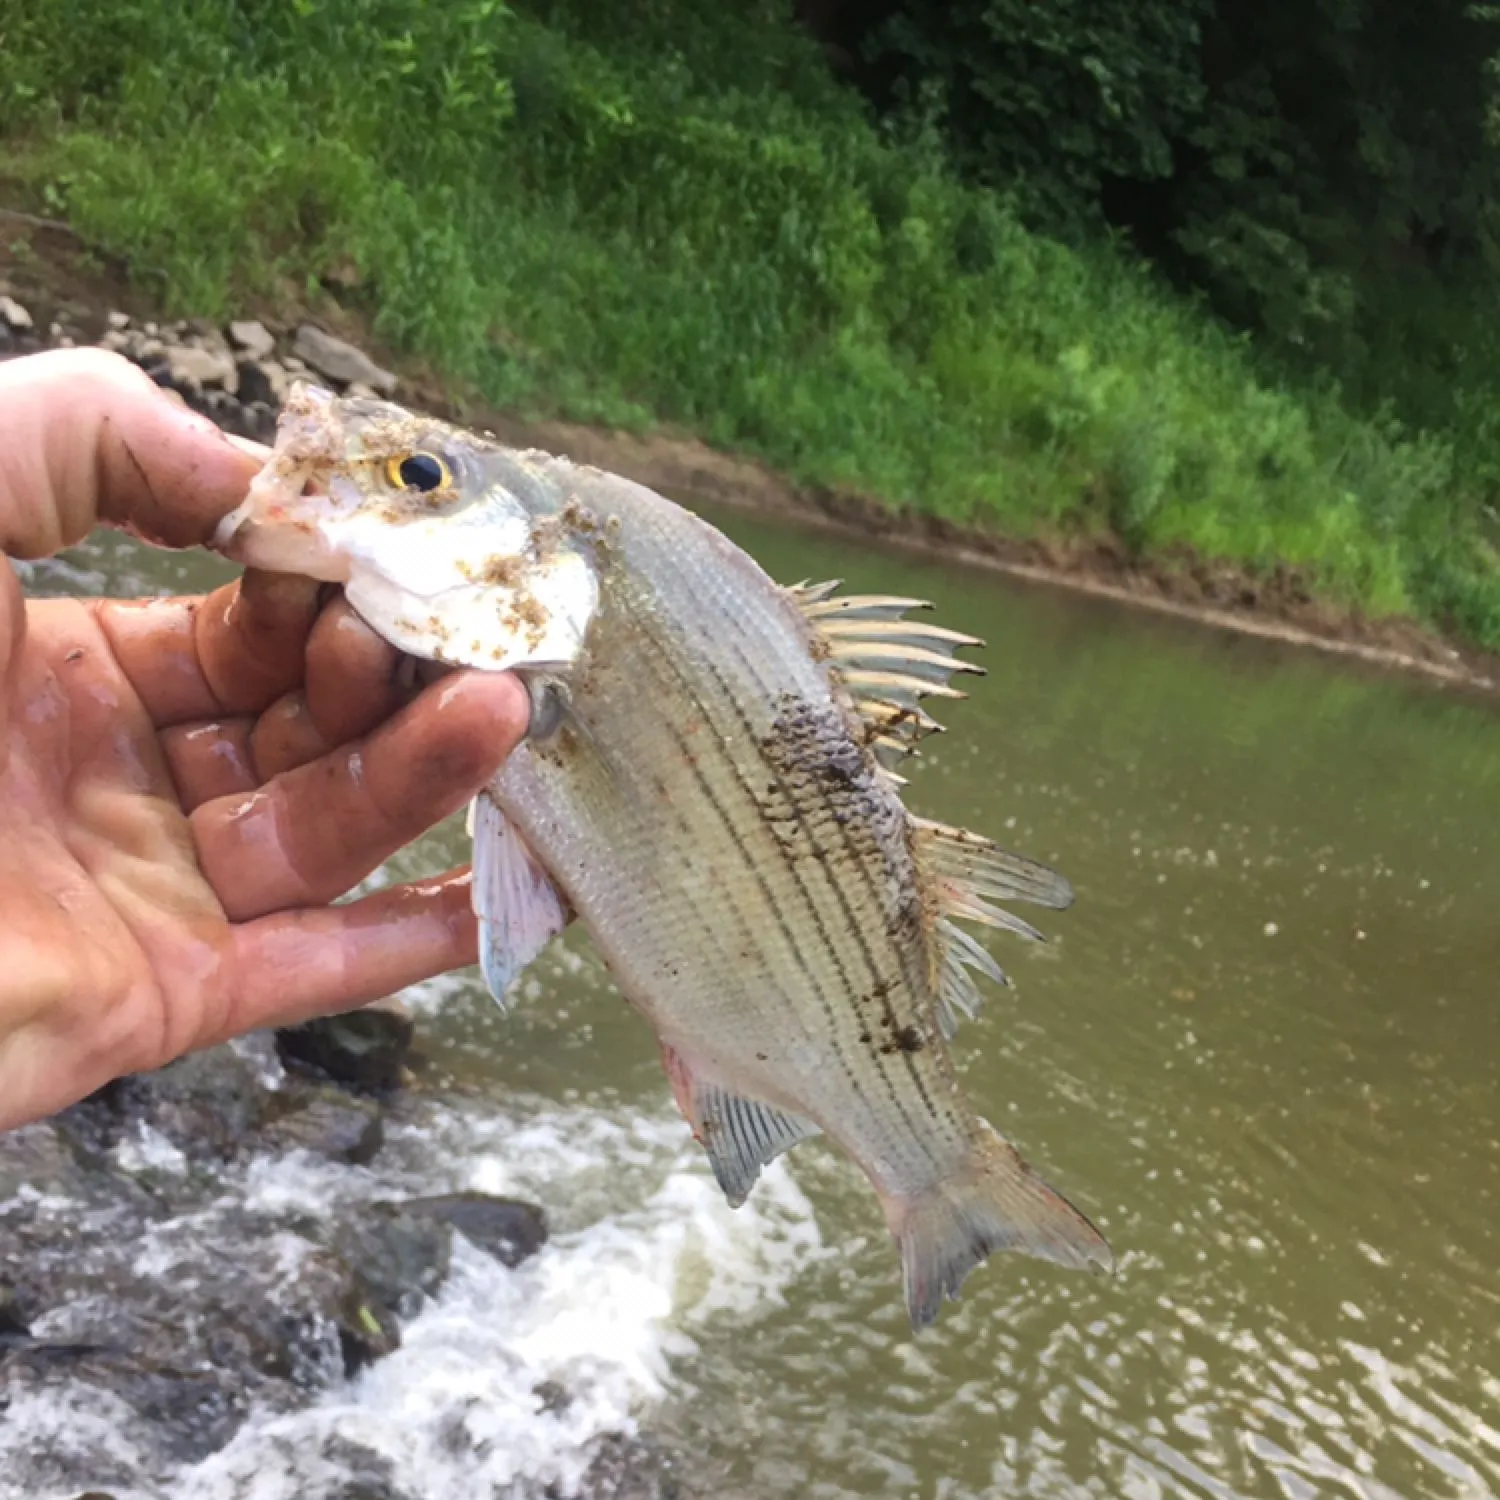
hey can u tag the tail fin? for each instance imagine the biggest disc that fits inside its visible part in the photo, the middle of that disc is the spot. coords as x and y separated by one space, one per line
995 1203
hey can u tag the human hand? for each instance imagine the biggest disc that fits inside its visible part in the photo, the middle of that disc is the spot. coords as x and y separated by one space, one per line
187 784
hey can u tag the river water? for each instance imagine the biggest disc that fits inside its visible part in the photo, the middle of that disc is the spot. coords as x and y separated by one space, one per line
1262 1051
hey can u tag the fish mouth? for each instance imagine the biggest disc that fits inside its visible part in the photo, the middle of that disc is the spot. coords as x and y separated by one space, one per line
279 524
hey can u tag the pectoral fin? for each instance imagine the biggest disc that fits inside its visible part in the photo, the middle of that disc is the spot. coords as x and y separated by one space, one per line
519 908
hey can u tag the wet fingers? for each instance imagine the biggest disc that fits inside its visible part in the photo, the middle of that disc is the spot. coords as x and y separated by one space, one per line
285 737
210 760
252 638
233 652
353 676
299 964
308 835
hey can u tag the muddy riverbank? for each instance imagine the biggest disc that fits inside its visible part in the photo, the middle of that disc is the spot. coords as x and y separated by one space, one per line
240 385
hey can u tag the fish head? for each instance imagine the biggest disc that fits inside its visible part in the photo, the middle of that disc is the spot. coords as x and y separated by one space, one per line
449 545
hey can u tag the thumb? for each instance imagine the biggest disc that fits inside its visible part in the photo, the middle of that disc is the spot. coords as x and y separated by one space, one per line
86 437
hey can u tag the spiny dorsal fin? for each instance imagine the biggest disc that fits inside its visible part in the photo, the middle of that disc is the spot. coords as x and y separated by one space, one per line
740 1135
967 873
887 663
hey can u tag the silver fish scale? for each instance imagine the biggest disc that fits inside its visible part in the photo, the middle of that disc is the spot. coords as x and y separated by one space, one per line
731 848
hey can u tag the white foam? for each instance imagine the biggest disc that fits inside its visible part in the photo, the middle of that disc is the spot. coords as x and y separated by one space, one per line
644 1250
73 1426
146 1149
462 1406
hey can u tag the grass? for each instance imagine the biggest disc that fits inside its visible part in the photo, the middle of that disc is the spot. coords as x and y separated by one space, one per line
685 219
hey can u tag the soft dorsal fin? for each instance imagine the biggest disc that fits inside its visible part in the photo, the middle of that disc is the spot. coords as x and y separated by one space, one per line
520 910
887 663
985 869
966 874
740 1135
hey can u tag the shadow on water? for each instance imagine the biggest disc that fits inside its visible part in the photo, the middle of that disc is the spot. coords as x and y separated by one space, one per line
1261 1051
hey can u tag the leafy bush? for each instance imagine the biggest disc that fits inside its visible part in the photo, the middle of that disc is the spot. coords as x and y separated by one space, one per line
685 218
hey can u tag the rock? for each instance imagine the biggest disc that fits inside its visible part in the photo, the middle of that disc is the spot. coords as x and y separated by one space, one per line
14 316
304 1328
12 1324
37 1157
252 338
259 421
340 361
631 1468
191 1337
262 380
207 1104
191 1413
365 1048
366 1474
508 1228
367 1331
134 345
553 1398
326 1122
192 368
402 1258
181 1308
223 408
361 392
200 1110
255 420
118 321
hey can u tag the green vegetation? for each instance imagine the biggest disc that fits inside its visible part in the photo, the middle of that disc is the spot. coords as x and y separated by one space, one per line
687 217
1299 160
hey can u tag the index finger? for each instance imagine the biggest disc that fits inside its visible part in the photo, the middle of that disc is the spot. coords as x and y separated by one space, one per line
234 652
88 437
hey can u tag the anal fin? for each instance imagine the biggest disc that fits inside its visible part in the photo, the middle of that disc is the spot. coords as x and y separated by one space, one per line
740 1135
519 908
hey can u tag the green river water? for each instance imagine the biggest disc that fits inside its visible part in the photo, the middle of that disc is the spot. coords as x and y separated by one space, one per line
1261 1052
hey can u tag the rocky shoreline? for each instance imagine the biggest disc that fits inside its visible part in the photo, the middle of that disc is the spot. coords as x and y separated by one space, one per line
237 375
137 1264
278 1305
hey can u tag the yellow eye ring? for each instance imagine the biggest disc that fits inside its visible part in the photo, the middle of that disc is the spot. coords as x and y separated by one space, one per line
418 471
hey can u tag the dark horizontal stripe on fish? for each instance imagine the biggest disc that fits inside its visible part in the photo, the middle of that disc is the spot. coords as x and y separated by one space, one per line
712 934
663 658
912 960
878 984
880 987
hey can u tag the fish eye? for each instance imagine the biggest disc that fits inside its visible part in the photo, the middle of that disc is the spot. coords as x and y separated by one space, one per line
418 471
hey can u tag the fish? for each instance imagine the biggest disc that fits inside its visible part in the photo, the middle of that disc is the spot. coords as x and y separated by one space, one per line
710 784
